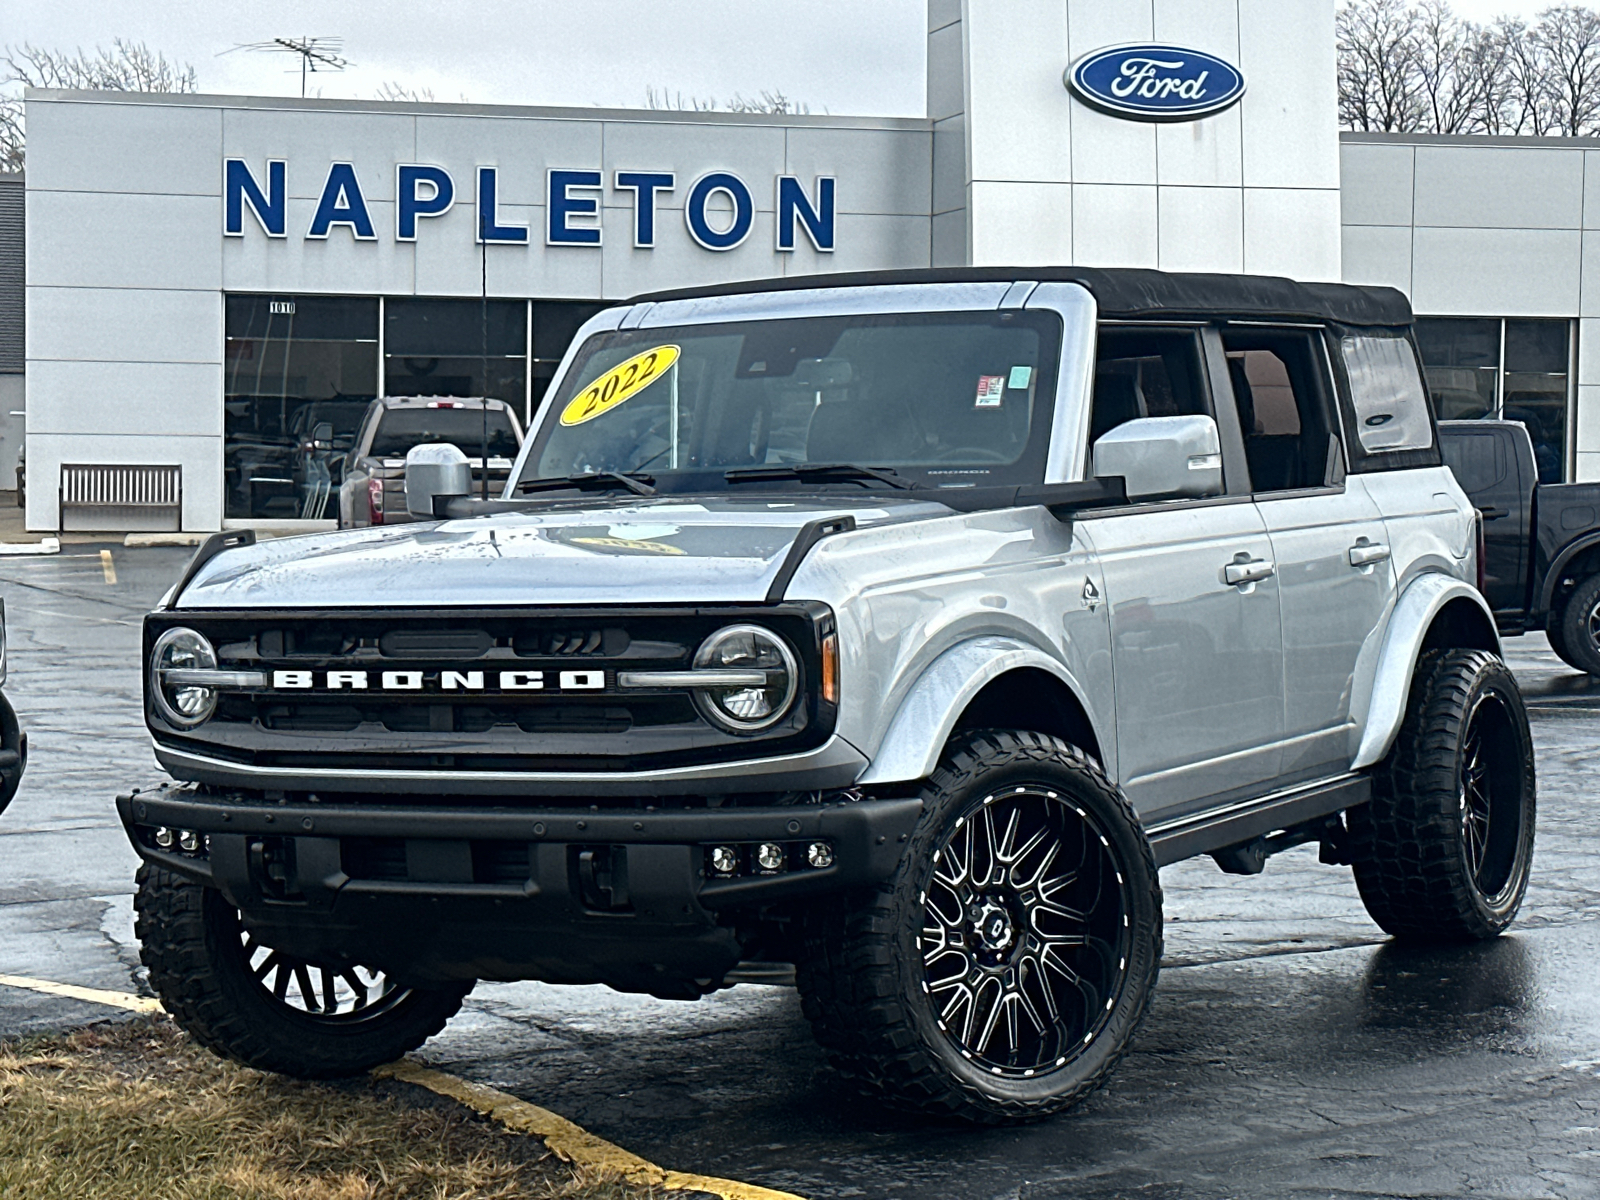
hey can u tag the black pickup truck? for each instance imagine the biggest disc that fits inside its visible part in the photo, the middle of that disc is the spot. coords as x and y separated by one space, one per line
1541 567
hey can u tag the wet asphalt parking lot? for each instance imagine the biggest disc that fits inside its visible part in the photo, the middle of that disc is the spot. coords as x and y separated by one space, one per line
1289 1051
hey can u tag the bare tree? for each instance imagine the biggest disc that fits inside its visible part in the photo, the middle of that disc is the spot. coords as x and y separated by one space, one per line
1568 38
767 102
11 140
1458 85
1526 108
125 67
1379 80
1417 67
399 93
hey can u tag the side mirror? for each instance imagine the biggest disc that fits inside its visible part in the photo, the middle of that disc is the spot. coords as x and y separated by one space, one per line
1163 457
436 473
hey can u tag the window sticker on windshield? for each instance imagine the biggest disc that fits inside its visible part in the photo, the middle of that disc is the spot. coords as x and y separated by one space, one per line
991 389
1020 377
623 382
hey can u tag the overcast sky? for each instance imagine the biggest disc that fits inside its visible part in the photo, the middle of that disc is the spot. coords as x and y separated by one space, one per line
847 56
843 56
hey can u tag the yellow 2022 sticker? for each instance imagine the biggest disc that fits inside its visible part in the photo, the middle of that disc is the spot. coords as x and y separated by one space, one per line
633 545
623 382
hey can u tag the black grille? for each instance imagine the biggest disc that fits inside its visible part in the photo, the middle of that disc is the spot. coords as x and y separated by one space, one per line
435 643
486 726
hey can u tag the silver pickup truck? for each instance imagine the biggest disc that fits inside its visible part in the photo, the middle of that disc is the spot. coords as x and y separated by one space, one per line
894 629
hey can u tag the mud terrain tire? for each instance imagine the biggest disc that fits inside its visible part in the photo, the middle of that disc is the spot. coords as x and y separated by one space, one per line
1442 852
191 940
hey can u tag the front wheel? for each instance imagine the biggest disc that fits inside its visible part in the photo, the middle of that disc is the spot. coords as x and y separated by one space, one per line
1000 974
267 1009
1443 850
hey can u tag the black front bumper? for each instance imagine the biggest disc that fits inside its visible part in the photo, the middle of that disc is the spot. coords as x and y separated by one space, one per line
567 895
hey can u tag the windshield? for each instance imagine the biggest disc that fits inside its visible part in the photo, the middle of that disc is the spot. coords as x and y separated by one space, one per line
400 429
942 399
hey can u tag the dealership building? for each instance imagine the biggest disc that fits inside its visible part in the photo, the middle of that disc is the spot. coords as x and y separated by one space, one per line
210 279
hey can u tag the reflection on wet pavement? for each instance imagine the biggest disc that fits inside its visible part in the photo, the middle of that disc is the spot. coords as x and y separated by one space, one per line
1290 1049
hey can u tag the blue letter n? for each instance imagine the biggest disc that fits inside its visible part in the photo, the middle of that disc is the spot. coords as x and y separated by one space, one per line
817 222
239 187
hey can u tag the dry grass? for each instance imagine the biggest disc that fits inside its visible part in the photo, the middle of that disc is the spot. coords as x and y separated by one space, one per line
136 1110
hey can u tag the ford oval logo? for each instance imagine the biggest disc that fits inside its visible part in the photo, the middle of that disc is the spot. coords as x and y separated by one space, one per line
1155 83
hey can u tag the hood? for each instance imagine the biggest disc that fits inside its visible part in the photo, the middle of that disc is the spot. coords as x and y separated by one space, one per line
663 550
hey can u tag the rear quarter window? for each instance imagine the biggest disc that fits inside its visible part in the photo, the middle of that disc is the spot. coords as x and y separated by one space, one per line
1391 403
1477 460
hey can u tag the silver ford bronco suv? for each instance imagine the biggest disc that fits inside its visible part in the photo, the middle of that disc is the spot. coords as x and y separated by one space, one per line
893 629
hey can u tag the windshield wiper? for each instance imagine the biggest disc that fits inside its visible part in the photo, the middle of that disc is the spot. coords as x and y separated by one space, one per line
587 481
815 472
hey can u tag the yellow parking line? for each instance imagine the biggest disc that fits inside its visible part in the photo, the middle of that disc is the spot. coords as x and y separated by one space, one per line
570 1142
71 991
108 567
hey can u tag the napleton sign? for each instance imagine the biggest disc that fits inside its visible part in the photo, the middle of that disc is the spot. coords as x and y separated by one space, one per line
719 208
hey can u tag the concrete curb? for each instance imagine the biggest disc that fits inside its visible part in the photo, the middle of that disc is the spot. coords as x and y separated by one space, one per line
136 540
47 545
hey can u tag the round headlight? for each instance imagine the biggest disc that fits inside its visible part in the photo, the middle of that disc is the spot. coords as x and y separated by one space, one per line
183 704
746 709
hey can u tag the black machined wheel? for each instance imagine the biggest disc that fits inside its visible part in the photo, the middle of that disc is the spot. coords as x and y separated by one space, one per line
268 1009
1575 632
1492 794
320 991
1000 974
1444 849
1025 932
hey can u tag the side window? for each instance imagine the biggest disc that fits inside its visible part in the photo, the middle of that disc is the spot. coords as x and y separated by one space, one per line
1145 373
1386 387
1476 459
1280 386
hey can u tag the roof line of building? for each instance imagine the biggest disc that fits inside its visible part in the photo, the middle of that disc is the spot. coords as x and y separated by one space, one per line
437 108
1469 139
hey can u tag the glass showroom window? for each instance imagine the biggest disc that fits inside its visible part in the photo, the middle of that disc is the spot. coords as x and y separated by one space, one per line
441 347
299 372
1518 369
554 323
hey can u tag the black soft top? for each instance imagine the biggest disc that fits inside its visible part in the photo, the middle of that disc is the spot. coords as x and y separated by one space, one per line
1127 292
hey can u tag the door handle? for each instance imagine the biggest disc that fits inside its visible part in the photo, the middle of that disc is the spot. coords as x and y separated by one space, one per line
1492 513
1252 571
1364 554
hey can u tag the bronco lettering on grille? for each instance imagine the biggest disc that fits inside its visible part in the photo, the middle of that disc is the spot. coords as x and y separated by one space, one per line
440 681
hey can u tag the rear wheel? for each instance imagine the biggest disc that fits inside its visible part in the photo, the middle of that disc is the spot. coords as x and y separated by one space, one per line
1575 632
1443 850
1000 974
267 1009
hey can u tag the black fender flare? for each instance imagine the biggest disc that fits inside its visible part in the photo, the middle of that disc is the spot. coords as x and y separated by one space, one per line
1558 568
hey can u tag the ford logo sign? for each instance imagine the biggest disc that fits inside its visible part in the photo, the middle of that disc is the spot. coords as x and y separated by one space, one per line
1155 83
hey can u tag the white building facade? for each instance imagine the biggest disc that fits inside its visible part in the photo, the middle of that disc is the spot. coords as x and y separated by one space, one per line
210 279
